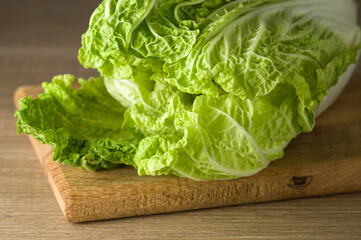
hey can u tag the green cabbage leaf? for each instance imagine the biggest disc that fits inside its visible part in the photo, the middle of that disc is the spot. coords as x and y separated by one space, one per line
82 126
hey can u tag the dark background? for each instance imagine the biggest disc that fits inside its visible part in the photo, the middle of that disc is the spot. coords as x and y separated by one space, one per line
40 39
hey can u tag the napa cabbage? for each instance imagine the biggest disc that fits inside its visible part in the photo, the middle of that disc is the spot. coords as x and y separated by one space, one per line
204 89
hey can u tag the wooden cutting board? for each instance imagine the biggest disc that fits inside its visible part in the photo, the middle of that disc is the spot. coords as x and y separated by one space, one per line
325 161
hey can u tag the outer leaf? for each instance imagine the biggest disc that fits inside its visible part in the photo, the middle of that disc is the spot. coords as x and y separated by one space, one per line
83 127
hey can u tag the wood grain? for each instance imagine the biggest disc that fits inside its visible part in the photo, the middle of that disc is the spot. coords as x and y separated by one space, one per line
325 161
40 39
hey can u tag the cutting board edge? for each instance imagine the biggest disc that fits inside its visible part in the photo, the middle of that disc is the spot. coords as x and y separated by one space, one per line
76 211
79 211
73 215
52 169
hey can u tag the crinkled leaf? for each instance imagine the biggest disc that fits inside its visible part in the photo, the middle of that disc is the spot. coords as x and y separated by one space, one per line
82 126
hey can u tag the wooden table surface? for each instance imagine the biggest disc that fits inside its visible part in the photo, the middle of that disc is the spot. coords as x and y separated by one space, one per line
39 39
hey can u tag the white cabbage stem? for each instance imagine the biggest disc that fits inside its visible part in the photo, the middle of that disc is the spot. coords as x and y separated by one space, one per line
335 91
